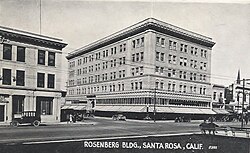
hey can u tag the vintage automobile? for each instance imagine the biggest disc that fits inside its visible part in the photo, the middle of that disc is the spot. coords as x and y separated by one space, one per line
119 117
26 117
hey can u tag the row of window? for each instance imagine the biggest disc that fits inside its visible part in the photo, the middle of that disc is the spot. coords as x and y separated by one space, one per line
171 86
138 57
44 105
138 85
7 55
160 41
113 63
139 42
99 78
41 58
182 74
105 53
7 78
183 61
93 89
20 78
150 101
137 71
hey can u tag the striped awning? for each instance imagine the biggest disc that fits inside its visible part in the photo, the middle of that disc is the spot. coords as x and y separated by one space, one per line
220 111
161 109
74 107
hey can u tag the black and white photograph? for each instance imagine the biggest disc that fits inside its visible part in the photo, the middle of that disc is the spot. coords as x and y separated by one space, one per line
110 76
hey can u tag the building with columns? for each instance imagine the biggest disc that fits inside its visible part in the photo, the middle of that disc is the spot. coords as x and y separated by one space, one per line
236 97
150 68
30 74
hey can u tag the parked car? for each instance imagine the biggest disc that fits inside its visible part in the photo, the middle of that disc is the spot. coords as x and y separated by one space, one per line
26 117
119 117
147 118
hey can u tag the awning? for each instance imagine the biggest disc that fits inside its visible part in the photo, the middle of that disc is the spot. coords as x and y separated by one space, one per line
74 107
120 108
220 111
162 109
182 110
207 111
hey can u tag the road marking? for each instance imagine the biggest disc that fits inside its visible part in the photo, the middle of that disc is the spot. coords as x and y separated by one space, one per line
110 138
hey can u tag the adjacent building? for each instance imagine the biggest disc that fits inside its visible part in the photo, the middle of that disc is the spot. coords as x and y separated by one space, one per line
30 74
151 67
218 100
236 97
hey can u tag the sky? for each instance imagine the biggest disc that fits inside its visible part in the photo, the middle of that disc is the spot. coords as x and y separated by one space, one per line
80 22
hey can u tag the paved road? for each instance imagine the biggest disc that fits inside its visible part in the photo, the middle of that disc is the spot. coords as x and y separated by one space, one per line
102 127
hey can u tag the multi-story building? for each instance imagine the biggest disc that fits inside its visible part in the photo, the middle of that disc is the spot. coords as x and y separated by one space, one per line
218 101
30 74
151 66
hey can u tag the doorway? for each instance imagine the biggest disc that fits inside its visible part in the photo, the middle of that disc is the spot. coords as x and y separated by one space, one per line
2 113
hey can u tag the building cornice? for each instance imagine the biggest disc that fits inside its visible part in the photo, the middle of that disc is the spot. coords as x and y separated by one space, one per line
148 24
31 38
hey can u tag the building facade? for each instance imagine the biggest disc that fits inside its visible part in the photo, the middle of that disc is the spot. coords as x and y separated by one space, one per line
149 67
30 74
236 97
219 102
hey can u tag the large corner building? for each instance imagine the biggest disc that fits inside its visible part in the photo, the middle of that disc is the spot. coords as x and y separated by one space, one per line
30 75
151 66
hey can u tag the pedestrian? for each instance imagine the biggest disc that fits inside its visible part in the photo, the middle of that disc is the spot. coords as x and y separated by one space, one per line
203 127
70 118
67 118
246 119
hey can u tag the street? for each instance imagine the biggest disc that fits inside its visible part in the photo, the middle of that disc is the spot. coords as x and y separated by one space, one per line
96 128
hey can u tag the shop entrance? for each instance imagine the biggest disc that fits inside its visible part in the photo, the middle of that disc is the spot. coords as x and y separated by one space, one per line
2 113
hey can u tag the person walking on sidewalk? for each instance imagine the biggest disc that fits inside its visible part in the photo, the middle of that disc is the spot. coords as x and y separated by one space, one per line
70 118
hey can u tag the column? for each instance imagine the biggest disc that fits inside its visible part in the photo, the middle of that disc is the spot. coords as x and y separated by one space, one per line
8 117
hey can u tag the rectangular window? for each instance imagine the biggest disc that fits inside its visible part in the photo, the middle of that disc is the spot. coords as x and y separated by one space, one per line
214 96
133 43
51 59
157 57
6 76
181 48
51 80
162 41
140 85
157 69
40 80
142 41
133 57
142 56
7 51
137 57
161 69
156 85
161 85
20 54
158 40
20 78
162 57
46 106
41 57
185 49
18 104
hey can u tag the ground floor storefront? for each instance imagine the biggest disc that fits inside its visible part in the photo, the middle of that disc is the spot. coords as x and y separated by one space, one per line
45 103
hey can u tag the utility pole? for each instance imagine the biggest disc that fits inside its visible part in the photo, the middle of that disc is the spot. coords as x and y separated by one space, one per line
154 104
243 99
